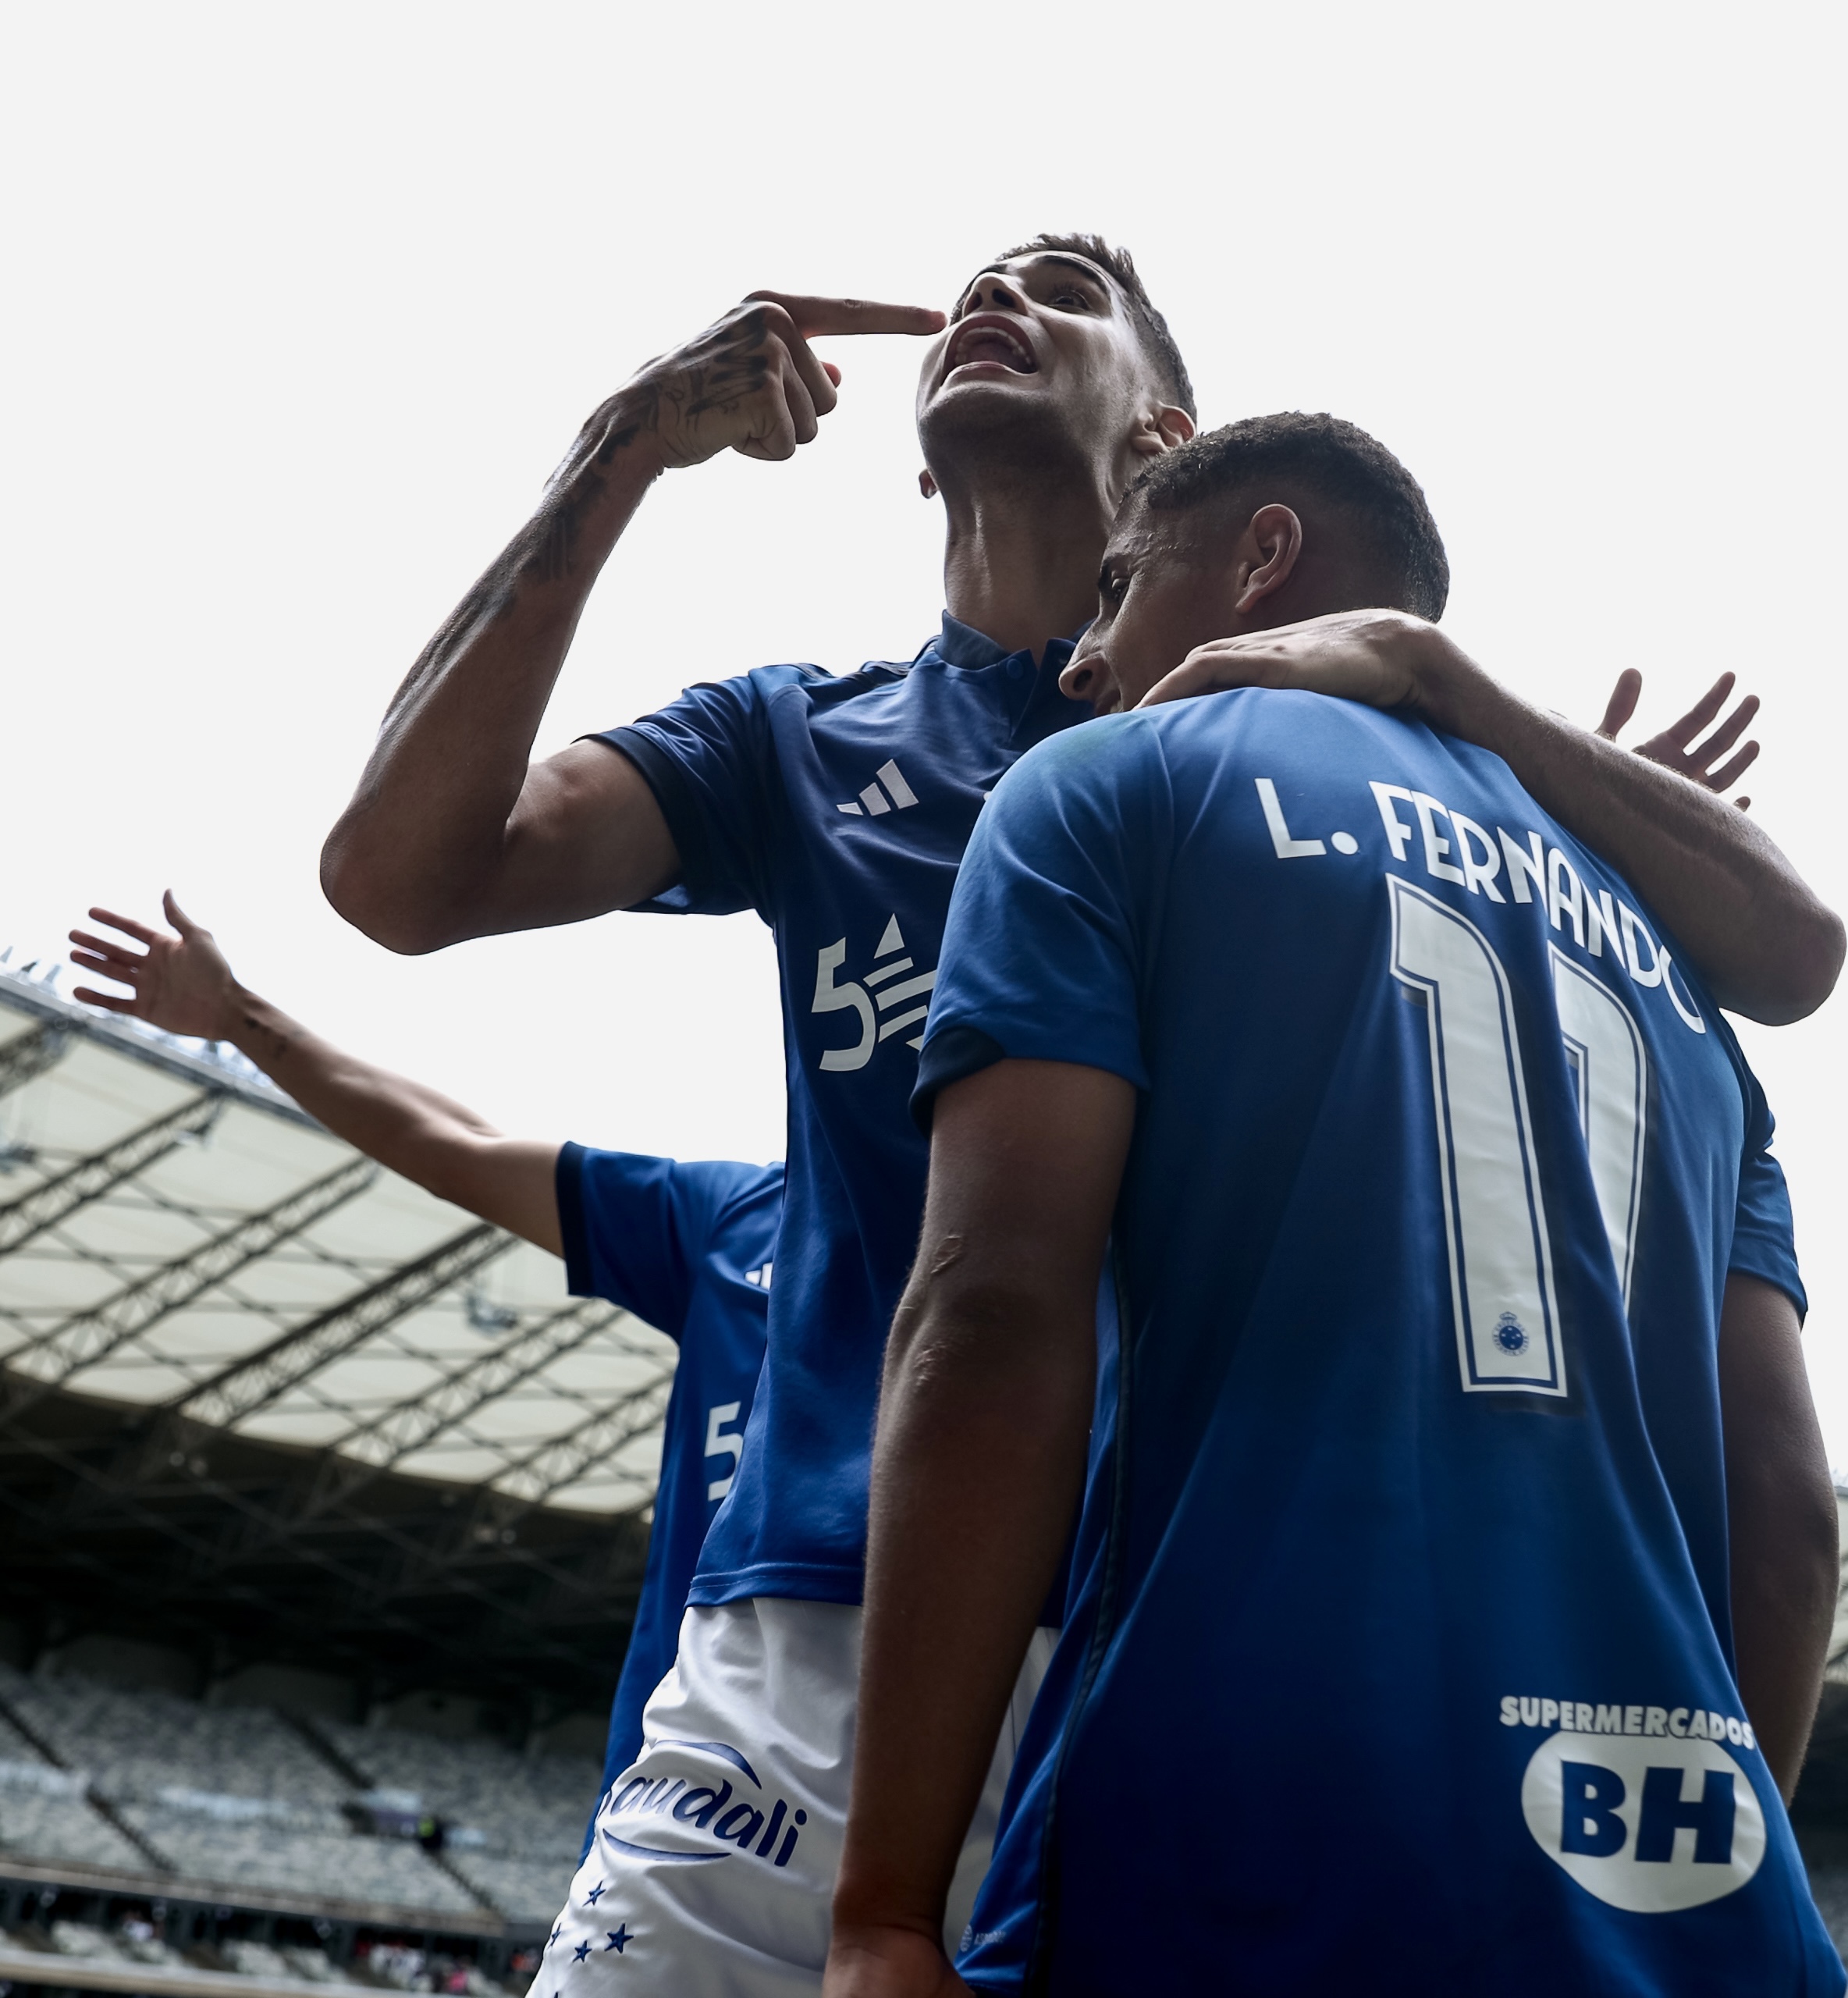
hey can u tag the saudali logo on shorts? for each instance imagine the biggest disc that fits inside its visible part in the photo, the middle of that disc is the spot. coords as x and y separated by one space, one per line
696 1819
878 1000
1644 1806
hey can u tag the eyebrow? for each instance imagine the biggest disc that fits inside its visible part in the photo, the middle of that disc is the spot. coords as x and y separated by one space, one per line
1097 277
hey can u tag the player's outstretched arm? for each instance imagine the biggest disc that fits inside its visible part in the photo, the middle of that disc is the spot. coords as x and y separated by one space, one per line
1766 945
1781 1521
978 1467
450 834
182 982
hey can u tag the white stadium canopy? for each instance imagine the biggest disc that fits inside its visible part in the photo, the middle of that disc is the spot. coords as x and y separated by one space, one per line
175 1232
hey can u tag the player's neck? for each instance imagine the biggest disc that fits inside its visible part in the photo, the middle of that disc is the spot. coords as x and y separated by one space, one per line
1020 558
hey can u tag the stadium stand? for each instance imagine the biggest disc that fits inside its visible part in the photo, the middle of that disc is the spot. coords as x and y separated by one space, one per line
323 1512
514 1824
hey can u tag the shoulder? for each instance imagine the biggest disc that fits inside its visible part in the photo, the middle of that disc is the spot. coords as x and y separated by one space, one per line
715 1183
1094 755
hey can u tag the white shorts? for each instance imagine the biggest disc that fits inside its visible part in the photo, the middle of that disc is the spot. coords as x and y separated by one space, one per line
713 1867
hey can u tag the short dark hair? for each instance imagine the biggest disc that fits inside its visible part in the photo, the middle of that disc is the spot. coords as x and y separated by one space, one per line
1331 460
1158 343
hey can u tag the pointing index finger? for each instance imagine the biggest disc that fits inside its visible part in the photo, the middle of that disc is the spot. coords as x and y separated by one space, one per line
855 315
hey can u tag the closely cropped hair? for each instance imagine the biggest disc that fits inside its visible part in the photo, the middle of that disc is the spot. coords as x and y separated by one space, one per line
1157 341
1336 463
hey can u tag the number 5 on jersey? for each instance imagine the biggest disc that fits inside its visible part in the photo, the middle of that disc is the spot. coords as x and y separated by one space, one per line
720 1442
1495 1219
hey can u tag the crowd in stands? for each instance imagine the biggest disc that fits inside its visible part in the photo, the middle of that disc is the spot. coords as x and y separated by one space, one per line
240 1797
385 1966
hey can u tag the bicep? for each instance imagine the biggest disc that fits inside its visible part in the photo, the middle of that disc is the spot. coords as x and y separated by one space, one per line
587 836
510 1182
1766 1409
1026 1157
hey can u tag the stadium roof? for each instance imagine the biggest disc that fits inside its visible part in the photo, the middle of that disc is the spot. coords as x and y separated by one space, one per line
214 1312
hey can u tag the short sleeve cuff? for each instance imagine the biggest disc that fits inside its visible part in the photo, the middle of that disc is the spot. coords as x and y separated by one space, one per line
946 1058
960 1048
685 821
1771 1263
568 1178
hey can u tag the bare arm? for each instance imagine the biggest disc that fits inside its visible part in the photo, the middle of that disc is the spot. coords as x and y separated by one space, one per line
450 833
1764 942
183 984
978 1467
1781 1520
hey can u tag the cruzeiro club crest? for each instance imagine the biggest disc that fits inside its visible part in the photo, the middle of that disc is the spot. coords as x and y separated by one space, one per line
1511 1334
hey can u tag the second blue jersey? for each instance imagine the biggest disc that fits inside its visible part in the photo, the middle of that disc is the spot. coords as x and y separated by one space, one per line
1400 1656
689 1249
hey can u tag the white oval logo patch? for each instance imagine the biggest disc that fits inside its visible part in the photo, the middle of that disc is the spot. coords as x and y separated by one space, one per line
1644 1822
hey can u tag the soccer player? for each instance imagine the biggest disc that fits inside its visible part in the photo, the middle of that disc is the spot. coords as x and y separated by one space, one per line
688 1247
838 808
1434 1191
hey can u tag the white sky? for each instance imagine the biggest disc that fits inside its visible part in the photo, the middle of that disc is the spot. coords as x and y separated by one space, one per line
304 304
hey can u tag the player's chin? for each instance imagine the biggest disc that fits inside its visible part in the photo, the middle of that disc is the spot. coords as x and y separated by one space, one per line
983 386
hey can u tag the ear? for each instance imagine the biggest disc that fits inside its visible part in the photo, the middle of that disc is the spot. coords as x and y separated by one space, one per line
926 485
1268 552
1161 430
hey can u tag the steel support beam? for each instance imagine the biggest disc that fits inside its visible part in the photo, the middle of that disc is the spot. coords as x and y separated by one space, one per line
387 1439
101 1172
85 1337
30 1055
552 1466
266 1375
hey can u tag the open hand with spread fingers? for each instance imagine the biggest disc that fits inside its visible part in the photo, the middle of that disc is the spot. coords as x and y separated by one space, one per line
1675 748
180 983
750 382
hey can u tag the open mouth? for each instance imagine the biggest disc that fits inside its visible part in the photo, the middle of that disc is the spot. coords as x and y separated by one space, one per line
984 340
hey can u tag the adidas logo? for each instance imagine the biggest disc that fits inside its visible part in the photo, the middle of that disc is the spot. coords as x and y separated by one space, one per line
875 802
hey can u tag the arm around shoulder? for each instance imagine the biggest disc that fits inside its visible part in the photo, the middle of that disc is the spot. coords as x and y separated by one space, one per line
1767 946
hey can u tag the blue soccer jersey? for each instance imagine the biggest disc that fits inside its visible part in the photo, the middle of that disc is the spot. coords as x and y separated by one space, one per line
1399 1659
689 1249
838 808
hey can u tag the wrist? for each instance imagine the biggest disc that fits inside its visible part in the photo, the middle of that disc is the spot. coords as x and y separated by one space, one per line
1452 693
253 1027
868 1906
624 436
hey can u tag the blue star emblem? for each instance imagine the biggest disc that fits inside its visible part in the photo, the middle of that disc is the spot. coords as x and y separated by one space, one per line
618 1936
581 1951
555 1935
597 1892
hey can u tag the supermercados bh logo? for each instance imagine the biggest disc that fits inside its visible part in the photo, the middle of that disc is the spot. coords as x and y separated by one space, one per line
701 1817
1644 1806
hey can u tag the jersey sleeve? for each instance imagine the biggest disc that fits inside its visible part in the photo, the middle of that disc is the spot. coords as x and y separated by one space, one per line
636 1229
1040 957
705 757
1764 1235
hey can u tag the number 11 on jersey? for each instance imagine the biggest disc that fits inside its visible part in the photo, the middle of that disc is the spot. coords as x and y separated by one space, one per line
1494 1217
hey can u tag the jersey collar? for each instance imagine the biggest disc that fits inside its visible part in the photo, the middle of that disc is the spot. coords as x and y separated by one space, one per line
1030 692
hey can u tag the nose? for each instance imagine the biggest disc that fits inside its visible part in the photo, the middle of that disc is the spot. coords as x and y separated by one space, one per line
990 293
1083 678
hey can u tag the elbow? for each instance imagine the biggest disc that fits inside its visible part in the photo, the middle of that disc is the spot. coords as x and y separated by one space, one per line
1802 974
957 1329
1826 946
359 890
